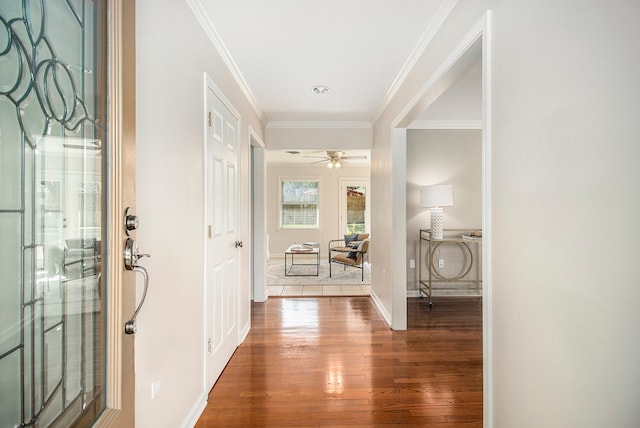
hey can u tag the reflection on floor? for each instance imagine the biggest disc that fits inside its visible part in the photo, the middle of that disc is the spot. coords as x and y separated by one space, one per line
334 362
318 290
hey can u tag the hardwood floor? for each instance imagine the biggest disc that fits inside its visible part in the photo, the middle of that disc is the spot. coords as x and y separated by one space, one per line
332 361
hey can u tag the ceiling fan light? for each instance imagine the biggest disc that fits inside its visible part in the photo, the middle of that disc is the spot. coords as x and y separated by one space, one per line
330 164
338 164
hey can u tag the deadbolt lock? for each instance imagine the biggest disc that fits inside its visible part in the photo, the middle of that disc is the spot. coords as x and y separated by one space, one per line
131 221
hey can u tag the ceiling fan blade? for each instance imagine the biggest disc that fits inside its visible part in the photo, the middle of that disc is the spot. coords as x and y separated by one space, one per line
353 157
317 157
320 161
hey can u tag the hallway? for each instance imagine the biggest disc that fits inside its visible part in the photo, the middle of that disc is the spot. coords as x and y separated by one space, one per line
333 361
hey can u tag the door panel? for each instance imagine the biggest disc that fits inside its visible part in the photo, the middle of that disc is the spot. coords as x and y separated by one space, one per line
231 198
221 258
215 303
216 204
230 309
55 160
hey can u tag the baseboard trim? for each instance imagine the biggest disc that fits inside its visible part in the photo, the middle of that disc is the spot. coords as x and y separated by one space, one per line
195 412
245 332
446 293
412 293
380 307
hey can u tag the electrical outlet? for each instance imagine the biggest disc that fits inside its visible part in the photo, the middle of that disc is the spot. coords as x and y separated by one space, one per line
155 389
440 263
412 264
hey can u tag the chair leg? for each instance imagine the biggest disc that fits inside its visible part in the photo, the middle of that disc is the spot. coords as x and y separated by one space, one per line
330 266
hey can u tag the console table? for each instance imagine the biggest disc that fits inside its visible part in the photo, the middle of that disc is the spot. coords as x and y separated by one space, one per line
460 237
294 250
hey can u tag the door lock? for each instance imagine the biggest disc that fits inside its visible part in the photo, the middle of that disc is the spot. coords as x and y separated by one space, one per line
238 244
131 221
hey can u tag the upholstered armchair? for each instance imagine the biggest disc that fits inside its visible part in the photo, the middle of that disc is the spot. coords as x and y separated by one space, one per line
349 252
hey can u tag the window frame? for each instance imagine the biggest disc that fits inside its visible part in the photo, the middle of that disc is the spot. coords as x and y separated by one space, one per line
282 180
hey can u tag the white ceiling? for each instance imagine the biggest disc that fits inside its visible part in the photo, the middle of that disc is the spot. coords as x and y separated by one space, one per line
358 48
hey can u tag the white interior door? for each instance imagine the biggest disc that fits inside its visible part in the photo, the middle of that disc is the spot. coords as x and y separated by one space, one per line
355 206
221 259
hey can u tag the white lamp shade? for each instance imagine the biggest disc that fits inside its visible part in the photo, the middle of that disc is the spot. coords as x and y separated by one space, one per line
440 195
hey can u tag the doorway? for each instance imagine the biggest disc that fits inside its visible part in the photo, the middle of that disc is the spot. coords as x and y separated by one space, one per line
475 45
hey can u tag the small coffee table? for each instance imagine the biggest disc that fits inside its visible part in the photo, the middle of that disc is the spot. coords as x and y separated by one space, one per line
307 253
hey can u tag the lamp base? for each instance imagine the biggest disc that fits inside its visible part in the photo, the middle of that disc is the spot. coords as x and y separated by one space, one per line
436 223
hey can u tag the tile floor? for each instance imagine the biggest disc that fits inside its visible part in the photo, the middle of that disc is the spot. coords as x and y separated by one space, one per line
318 290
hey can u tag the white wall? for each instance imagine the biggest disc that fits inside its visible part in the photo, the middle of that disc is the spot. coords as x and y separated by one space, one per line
329 201
449 156
388 207
564 138
340 136
172 54
564 317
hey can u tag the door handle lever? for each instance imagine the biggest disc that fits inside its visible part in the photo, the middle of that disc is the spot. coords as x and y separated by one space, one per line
131 257
131 254
130 326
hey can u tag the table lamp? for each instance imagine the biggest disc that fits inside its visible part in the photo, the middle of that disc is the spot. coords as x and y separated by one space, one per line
436 197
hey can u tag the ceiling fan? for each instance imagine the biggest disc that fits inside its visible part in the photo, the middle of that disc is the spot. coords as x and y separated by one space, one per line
334 158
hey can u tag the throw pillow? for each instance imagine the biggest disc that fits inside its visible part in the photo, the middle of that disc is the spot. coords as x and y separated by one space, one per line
349 238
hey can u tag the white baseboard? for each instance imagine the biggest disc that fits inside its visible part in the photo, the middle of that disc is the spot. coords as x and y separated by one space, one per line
195 412
245 332
447 293
381 309
413 293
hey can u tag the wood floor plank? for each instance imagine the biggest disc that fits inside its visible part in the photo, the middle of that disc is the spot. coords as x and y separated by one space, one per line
320 362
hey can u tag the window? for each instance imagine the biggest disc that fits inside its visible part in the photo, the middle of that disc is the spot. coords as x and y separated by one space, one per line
299 204
355 206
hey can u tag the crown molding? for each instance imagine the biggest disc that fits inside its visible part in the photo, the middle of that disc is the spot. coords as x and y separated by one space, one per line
427 36
319 124
201 15
445 124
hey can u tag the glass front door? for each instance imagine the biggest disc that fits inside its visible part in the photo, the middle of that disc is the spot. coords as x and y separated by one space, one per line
52 212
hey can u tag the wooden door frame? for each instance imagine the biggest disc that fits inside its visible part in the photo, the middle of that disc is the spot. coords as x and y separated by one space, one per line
120 380
258 222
